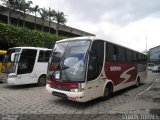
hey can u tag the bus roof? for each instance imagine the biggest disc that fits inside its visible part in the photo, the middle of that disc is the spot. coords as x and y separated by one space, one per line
25 47
92 38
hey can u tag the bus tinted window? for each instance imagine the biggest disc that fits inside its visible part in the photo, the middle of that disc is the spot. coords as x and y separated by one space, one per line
134 56
96 60
121 54
111 52
44 56
27 60
128 55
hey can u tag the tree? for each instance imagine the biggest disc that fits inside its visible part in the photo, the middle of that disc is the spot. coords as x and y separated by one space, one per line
35 10
10 4
51 14
60 19
24 7
44 15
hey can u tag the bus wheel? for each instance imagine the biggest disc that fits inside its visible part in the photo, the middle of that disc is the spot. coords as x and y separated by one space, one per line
107 93
42 80
137 82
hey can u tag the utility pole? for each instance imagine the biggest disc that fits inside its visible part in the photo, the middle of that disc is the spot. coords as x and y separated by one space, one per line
146 44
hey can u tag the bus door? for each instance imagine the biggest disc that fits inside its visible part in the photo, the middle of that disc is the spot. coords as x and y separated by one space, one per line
25 70
95 65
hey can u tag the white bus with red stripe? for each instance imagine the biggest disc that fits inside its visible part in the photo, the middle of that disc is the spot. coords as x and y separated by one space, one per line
85 68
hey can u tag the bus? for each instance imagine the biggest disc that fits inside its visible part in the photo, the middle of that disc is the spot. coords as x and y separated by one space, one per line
2 54
84 68
27 65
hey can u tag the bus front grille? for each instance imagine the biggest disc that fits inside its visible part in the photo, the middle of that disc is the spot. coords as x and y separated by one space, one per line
60 87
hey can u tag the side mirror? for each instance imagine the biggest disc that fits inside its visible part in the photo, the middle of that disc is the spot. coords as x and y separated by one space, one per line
14 57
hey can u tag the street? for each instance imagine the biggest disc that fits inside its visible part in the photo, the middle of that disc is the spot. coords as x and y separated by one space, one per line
33 102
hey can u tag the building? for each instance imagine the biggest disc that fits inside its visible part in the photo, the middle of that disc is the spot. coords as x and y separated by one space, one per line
154 54
16 19
29 23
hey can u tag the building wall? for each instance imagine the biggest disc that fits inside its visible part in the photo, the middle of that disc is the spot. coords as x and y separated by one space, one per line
154 54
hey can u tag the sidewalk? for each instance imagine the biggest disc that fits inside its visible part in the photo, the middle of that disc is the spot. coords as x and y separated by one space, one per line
146 105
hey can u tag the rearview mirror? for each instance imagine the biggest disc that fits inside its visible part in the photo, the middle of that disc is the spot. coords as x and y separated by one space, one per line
14 57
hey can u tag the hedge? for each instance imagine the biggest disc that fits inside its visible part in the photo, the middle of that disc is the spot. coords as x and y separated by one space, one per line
19 36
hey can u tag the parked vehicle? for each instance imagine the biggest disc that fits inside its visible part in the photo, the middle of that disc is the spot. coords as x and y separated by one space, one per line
27 65
156 68
85 68
2 54
150 66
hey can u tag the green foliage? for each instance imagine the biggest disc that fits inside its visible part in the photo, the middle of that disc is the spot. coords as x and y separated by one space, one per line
24 37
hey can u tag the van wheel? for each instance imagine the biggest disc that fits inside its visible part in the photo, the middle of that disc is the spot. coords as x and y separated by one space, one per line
138 82
42 80
107 93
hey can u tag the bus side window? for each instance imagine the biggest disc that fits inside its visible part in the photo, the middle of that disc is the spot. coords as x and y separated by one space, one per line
134 56
128 55
96 60
27 61
111 52
121 54
44 56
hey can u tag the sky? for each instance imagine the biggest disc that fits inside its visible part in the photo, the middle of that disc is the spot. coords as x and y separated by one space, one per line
131 23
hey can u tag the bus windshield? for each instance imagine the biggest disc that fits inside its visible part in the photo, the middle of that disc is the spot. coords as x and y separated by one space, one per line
68 61
7 58
12 67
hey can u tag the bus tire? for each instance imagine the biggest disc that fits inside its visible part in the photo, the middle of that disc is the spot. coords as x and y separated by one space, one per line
42 80
137 82
107 92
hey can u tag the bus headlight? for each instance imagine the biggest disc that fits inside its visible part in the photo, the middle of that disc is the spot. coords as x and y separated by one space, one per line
74 90
77 90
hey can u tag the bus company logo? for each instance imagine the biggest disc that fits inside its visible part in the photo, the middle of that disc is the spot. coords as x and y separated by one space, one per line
125 74
115 68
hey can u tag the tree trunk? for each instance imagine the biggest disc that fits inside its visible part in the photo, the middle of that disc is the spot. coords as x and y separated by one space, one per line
9 17
18 19
42 29
24 19
57 29
35 21
49 25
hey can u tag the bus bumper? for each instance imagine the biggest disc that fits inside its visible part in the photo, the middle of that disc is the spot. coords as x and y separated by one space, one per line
3 77
74 96
12 81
